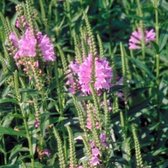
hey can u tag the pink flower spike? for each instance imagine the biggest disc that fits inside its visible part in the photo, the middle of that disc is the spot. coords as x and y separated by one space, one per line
13 38
94 161
150 35
72 78
46 47
26 45
103 74
74 66
21 22
103 139
92 144
95 152
136 38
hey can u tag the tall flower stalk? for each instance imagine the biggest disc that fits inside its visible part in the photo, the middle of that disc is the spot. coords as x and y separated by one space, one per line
140 13
21 105
156 3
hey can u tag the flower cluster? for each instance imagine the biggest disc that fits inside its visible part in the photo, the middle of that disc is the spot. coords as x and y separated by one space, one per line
83 75
21 22
46 47
72 76
95 160
137 37
26 45
103 139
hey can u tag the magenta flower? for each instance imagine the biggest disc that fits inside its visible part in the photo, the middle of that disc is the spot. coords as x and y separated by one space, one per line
13 38
26 45
92 144
21 22
46 152
80 167
95 157
95 161
103 139
137 37
36 123
46 47
95 151
103 74
72 78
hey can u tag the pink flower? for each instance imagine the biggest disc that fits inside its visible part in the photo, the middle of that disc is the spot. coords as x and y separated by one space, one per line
80 167
46 47
26 45
46 152
95 161
21 22
74 66
13 38
103 74
36 123
136 38
150 35
92 144
95 154
103 139
72 78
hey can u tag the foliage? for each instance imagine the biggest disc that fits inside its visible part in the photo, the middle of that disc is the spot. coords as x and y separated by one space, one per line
44 125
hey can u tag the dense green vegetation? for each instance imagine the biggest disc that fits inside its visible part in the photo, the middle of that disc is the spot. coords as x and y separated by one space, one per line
44 124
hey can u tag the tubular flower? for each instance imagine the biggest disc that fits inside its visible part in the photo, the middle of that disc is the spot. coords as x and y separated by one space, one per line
46 152
94 161
46 47
21 22
72 77
36 123
26 45
103 139
103 74
13 38
137 37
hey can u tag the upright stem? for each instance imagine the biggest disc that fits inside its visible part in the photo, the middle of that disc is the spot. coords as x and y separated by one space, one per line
156 21
157 55
28 136
5 154
140 13
157 38
20 103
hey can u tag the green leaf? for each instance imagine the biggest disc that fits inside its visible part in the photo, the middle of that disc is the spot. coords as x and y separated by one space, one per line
8 100
10 131
141 66
10 166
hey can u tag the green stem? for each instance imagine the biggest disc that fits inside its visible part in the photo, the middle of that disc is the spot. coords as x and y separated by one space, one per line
27 135
140 14
157 55
157 38
20 103
156 21
5 154
157 67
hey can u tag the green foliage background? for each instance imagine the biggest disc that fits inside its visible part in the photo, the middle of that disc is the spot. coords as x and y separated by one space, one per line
146 93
